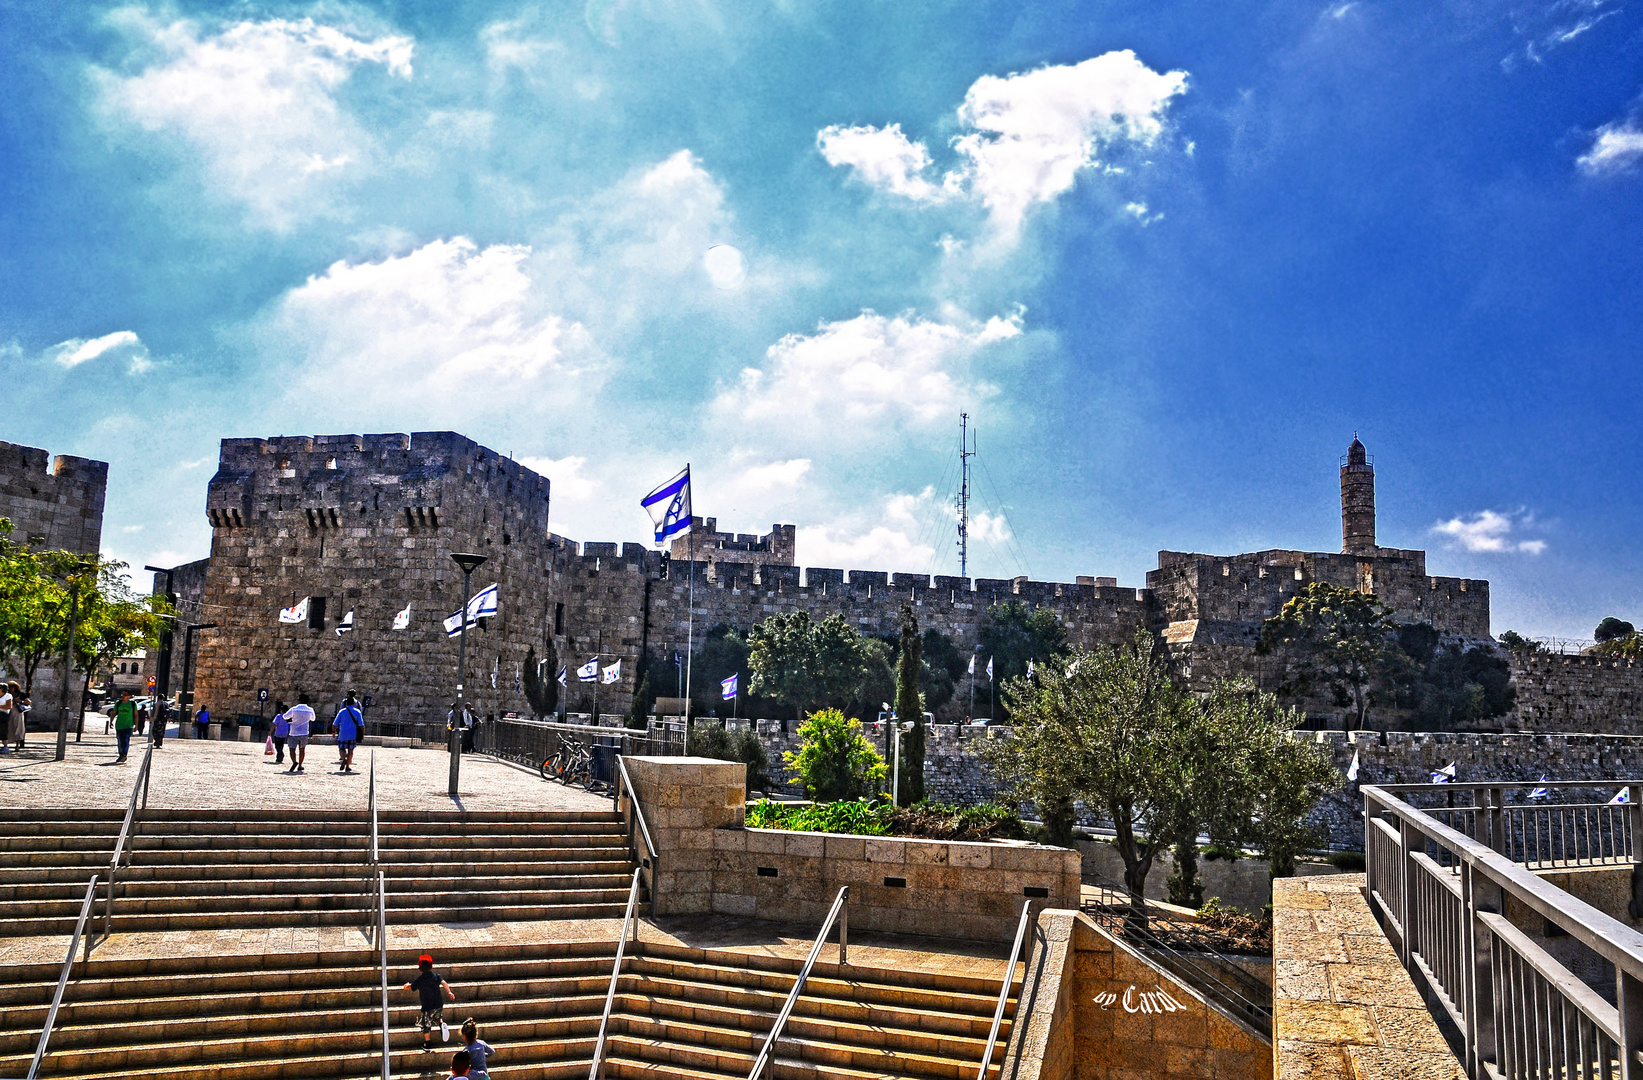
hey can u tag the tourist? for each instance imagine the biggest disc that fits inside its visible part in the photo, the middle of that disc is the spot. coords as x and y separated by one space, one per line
16 726
282 728
461 1063
348 725
7 696
479 1051
298 722
202 722
142 719
429 986
125 718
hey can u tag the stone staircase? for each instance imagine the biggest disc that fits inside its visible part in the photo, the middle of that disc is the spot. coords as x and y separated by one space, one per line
681 1012
215 869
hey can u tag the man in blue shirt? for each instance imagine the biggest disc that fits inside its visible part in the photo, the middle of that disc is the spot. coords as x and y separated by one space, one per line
349 726
202 722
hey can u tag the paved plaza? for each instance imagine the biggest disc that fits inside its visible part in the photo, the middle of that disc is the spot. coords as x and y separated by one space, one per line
189 773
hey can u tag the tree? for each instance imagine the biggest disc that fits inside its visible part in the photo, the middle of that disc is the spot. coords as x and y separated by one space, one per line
1340 640
114 621
34 609
943 668
542 680
1015 634
806 664
835 759
1447 684
910 706
1518 645
1611 628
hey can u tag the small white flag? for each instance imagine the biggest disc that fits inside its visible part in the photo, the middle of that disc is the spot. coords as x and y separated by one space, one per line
496 669
1029 669
1352 769
1621 798
972 663
346 624
989 669
613 673
296 613
519 678
564 679
727 688
588 671
1540 792
1445 775
403 619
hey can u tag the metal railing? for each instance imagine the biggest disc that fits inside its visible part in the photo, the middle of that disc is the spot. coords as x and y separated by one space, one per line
371 801
1540 833
638 831
839 912
382 955
1442 899
1004 991
62 978
628 920
531 742
138 787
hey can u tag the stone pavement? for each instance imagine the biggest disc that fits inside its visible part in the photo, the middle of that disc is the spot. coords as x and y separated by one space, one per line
189 773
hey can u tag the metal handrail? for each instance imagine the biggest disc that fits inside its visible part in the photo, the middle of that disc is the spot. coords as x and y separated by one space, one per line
648 860
382 952
839 911
615 973
140 785
1004 991
62 979
372 799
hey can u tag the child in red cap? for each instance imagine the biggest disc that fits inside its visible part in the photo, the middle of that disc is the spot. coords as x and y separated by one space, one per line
428 986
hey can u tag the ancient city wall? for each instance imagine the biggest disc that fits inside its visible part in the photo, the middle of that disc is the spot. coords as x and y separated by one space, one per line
1579 693
55 503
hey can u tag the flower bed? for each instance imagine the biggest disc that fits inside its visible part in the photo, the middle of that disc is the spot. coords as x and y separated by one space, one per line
873 817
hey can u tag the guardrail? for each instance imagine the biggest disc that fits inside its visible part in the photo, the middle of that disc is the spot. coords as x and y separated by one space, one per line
1004 991
1442 899
628 920
138 787
382 955
638 831
371 800
62 978
839 912
1538 832
531 742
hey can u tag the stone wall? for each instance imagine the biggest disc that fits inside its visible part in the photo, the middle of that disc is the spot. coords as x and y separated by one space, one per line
52 505
1578 693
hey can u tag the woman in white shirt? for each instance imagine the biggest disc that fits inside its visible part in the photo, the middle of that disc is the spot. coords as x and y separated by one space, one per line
13 703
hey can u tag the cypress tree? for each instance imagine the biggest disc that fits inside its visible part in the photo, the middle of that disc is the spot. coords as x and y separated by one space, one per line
910 706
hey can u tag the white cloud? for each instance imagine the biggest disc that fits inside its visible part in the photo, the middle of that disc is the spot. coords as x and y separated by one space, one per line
122 344
866 372
447 319
1491 532
1617 147
566 479
723 264
777 476
258 103
881 157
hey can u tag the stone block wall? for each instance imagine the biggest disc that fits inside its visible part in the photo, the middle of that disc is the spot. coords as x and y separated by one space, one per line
55 504
685 800
1579 693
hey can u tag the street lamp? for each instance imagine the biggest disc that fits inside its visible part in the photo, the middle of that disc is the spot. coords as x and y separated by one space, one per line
162 666
468 564
80 568
185 692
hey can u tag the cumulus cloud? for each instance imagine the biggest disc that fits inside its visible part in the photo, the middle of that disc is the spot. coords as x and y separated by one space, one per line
1028 135
865 373
120 345
1492 532
775 476
257 102
566 478
447 318
881 157
888 536
1616 147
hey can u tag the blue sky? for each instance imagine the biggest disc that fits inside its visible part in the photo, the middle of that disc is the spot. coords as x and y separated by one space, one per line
1169 257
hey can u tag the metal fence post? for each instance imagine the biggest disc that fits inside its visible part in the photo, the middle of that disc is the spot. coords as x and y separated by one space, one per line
1479 894
1409 838
1629 999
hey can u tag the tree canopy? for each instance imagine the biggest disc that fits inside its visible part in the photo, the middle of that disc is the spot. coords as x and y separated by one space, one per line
808 665
1341 640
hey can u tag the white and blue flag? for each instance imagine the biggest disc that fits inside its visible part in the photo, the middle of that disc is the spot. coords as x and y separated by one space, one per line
496 669
612 674
346 624
727 688
1029 669
669 507
564 679
588 671
989 669
483 605
1621 798
1352 770
1445 775
1540 792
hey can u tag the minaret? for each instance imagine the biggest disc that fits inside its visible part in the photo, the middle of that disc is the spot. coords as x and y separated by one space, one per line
1357 501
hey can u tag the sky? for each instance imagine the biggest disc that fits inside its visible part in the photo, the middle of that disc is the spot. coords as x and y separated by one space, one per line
1168 258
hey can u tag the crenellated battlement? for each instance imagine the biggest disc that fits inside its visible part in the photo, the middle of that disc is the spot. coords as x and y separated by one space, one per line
53 502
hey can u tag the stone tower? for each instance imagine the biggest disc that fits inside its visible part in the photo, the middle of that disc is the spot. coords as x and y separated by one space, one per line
1357 502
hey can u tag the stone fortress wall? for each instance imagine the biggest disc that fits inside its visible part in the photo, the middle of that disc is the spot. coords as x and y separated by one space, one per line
53 502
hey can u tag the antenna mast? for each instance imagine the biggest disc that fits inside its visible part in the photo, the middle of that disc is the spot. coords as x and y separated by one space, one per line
965 453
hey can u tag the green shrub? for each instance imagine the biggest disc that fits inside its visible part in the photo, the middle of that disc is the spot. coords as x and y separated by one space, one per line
835 761
710 739
1211 852
1350 862
859 817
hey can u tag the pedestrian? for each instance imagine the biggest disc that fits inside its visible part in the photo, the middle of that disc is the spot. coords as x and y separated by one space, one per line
429 987
349 723
162 712
7 696
480 1052
202 722
282 728
16 726
142 719
125 718
461 1065
298 720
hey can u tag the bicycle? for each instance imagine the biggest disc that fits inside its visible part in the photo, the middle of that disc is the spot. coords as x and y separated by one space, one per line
572 763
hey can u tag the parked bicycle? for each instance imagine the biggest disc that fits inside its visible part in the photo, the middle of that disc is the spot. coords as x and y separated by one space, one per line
571 764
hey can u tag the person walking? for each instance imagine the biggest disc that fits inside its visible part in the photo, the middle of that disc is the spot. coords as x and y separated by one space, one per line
348 724
282 728
142 719
7 696
298 721
16 724
480 1052
429 986
125 718
202 722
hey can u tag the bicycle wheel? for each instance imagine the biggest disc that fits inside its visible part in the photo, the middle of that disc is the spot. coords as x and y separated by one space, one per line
549 768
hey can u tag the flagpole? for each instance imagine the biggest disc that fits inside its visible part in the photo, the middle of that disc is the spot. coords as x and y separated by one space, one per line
690 620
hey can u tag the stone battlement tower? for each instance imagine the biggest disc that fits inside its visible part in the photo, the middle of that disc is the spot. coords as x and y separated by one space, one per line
55 502
1357 501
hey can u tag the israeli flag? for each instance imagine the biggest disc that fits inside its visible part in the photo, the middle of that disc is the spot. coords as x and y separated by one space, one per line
588 671
972 663
1621 797
403 619
1029 669
296 613
989 669
564 680
496 669
1445 775
1352 769
1540 792
346 624
669 507
613 674
483 605
727 688
519 678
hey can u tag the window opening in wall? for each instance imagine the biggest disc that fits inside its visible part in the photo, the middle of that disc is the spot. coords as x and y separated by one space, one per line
330 462
558 619
316 613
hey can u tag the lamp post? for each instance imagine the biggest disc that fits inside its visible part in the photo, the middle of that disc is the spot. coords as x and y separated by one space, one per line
80 568
468 563
162 667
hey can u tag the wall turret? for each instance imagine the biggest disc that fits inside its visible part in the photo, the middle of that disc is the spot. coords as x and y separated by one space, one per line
1357 501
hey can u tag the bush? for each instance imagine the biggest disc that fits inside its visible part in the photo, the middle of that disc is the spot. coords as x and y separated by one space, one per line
1351 862
876 817
1236 931
835 761
713 741
938 821
859 817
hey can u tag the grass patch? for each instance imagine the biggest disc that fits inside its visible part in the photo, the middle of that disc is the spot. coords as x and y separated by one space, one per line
876 817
